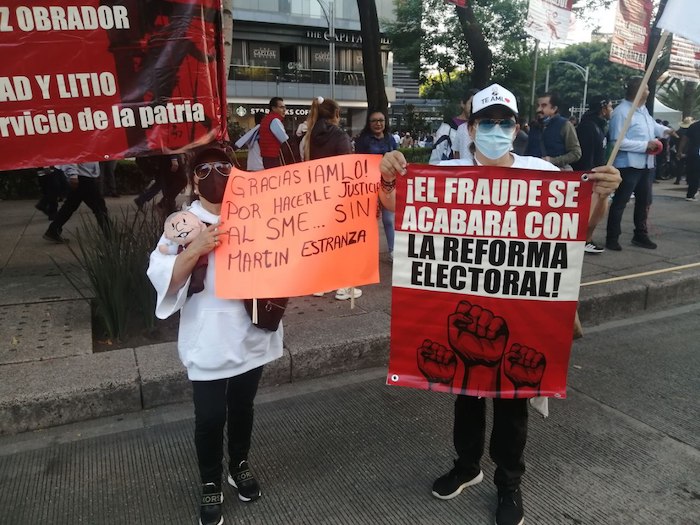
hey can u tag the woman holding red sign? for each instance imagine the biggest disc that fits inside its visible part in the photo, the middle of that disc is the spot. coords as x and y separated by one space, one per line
492 126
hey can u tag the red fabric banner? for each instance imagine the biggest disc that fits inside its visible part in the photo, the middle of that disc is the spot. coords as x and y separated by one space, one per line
630 38
94 79
487 268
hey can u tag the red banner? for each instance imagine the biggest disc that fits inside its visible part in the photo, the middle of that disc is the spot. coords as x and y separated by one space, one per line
487 268
96 79
631 34
684 62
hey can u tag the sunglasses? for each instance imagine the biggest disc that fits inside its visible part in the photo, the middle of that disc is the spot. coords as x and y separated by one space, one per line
487 124
375 120
202 171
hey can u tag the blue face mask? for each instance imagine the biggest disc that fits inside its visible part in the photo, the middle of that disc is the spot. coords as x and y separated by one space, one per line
493 143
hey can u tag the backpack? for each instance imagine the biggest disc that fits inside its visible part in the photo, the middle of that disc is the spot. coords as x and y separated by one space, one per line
442 149
289 150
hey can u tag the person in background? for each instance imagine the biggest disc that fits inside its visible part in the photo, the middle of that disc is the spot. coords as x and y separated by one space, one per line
397 137
592 136
251 140
108 177
83 180
53 184
326 139
690 147
462 139
680 157
520 142
375 138
493 127
553 138
224 353
407 141
636 163
169 176
272 133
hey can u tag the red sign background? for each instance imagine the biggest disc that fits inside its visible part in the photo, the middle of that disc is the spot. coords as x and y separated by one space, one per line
94 80
480 318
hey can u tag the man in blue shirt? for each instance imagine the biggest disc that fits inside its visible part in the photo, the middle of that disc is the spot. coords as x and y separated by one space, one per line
636 164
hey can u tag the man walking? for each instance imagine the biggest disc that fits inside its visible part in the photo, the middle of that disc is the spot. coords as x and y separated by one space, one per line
272 133
690 147
636 164
554 139
84 187
591 133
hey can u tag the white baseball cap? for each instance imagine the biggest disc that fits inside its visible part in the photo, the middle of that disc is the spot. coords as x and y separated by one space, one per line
494 95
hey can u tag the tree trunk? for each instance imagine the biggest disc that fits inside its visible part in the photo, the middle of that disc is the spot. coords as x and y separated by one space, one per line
478 47
662 64
689 93
371 57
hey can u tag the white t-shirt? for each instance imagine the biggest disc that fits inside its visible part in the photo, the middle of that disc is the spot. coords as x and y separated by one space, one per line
525 163
462 141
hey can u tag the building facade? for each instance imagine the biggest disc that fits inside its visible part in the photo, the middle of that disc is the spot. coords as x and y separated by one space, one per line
282 48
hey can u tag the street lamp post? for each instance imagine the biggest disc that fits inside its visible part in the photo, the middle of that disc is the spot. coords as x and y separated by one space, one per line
584 72
328 9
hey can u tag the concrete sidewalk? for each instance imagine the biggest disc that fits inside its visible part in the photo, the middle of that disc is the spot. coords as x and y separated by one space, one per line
49 375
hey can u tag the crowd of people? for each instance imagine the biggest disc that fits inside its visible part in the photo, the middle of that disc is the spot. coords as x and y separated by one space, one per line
224 352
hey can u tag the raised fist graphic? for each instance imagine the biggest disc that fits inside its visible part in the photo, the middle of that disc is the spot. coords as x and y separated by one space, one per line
436 362
524 366
476 335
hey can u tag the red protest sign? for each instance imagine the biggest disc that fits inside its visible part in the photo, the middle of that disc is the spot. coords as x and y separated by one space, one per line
487 265
93 80
631 34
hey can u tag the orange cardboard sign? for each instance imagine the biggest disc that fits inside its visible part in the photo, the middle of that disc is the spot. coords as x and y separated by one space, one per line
299 229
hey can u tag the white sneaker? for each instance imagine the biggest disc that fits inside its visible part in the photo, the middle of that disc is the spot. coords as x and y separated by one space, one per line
343 294
319 294
592 247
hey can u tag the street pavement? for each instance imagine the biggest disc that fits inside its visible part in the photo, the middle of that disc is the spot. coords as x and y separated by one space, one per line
50 376
347 449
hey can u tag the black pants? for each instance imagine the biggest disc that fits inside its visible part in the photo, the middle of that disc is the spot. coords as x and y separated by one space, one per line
693 176
87 191
214 403
107 174
637 181
508 437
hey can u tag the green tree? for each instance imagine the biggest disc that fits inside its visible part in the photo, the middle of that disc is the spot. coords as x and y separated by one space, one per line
681 95
605 77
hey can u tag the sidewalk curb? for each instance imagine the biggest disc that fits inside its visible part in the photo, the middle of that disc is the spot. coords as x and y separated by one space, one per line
69 389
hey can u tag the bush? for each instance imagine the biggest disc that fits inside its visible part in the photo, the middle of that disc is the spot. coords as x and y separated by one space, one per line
115 262
416 155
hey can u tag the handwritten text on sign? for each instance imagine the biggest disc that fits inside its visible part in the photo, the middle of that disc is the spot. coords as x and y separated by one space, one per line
487 264
300 229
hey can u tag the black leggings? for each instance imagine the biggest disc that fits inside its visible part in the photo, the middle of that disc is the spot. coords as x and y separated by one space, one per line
213 401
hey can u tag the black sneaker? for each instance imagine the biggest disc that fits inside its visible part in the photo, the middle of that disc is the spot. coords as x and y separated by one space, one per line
510 508
243 479
454 482
613 245
54 236
210 507
643 241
